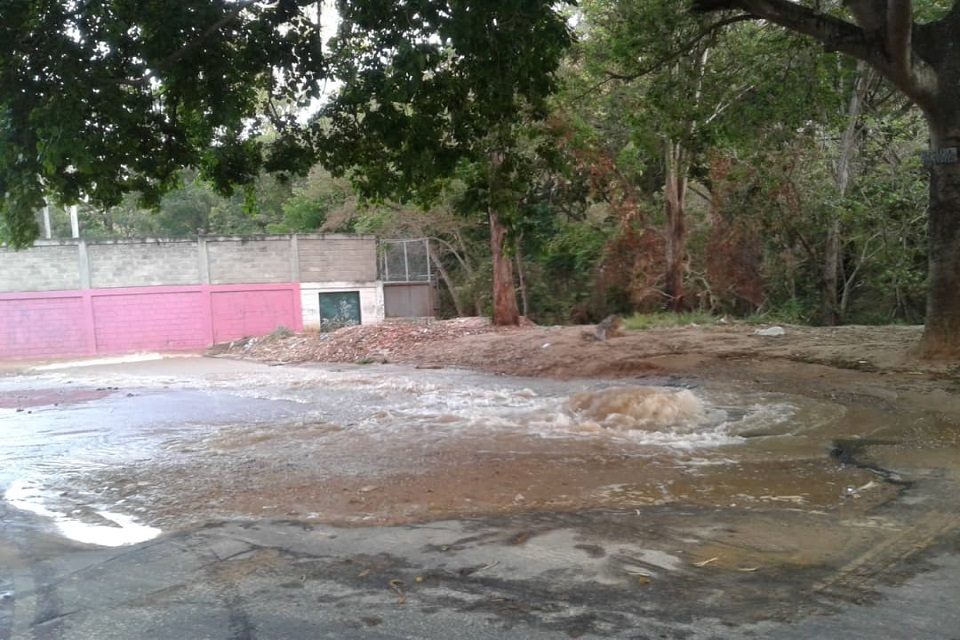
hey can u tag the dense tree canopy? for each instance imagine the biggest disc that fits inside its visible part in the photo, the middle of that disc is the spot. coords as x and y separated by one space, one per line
103 97
705 160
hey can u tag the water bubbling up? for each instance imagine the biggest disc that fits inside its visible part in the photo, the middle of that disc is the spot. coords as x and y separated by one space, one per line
643 408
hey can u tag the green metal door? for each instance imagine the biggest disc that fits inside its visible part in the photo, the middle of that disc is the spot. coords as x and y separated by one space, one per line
338 310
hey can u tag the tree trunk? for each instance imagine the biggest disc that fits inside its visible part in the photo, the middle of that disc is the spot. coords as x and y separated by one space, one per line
941 336
832 308
521 277
676 232
505 310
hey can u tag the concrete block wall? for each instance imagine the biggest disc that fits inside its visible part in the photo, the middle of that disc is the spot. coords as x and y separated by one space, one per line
138 320
73 298
108 321
254 312
70 265
43 325
337 259
257 261
50 268
145 264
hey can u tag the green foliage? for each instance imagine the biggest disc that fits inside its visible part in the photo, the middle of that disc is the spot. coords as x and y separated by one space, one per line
789 311
108 97
103 98
562 271
642 321
435 90
443 109
314 198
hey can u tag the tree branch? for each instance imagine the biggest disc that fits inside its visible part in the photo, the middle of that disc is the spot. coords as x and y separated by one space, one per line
899 37
679 51
871 15
196 43
883 39
833 33
188 48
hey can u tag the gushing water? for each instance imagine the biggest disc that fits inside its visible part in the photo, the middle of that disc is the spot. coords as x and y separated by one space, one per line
234 419
645 408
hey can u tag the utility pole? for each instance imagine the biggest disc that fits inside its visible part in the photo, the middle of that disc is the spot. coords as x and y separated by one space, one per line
47 233
74 221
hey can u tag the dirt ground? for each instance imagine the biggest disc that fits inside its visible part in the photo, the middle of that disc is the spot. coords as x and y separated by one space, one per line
570 352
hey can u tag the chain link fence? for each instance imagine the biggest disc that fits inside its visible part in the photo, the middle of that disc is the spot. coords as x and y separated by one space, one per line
405 261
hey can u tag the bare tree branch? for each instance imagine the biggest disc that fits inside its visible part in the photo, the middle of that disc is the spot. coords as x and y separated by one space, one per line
453 251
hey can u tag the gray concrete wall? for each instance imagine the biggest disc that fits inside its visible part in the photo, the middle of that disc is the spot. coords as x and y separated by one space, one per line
68 265
143 264
338 258
253 261
54 267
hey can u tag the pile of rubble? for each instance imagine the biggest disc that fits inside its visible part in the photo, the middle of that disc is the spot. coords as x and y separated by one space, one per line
389 341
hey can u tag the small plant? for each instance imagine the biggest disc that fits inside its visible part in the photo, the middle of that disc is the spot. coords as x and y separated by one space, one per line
790 312
281 333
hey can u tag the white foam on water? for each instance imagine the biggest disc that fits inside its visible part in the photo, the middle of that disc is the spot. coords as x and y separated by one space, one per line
123 531
390 402
93 362
644 416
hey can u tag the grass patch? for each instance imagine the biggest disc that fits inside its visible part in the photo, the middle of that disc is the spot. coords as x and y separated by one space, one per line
281 333
641 321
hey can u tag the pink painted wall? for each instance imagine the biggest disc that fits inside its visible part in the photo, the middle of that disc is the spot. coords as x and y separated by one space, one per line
114 321
169 321
252 313
42 326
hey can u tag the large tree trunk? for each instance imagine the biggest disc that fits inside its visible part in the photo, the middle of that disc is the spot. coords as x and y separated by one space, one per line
941 336
505 310
675 193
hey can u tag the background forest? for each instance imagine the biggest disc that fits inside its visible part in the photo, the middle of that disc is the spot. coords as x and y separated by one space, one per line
739 171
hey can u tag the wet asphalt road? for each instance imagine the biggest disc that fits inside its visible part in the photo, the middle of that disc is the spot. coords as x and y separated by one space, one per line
596 574
538 578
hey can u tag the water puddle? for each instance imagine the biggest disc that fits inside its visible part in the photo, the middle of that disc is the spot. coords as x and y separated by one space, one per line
81 523
191 439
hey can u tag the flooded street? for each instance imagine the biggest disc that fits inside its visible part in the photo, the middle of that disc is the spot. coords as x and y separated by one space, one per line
701 484
183 441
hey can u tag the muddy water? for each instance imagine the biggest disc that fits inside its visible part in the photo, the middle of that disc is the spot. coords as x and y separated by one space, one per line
159 445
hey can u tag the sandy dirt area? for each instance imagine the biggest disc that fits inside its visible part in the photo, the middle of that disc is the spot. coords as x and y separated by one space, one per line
567 352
